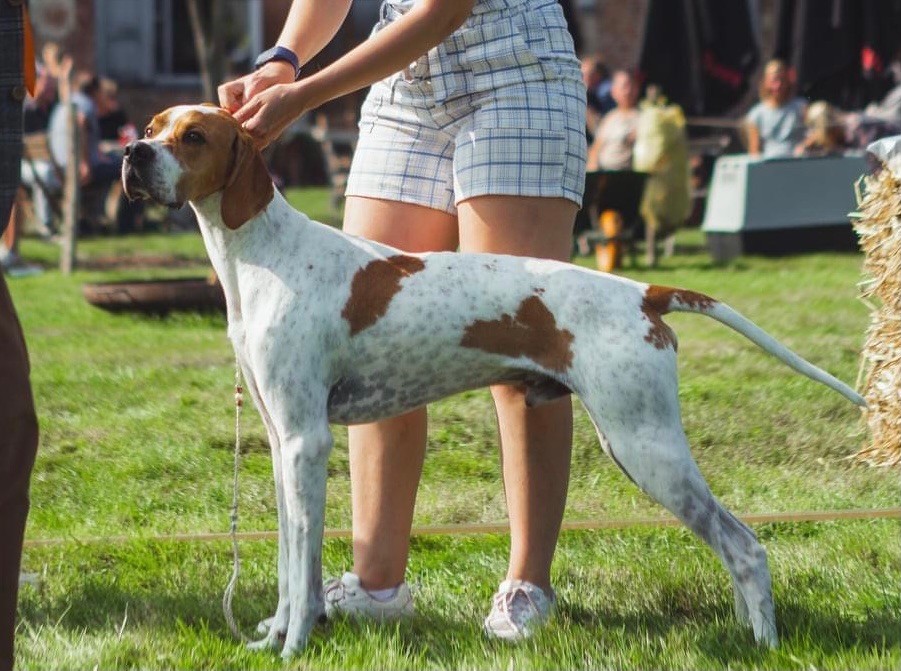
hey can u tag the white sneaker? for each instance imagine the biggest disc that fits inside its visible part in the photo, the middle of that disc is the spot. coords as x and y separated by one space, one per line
345 595
13 265
518 609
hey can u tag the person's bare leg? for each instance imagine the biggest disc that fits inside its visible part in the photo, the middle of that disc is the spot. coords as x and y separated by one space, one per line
14 227
386 457
536 443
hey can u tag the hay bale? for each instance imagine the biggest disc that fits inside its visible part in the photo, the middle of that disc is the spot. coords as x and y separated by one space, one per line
878 225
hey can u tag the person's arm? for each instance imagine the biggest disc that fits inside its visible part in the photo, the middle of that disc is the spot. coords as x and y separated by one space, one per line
594 151
390 50
309 26
84 161
753 139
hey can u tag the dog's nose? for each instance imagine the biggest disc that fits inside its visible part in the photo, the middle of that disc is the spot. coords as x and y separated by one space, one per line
138 152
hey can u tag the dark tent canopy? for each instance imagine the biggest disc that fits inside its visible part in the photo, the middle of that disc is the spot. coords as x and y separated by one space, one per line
705 53
840 49
702 53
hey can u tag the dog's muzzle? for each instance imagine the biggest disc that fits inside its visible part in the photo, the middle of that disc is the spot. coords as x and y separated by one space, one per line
139 180
138 156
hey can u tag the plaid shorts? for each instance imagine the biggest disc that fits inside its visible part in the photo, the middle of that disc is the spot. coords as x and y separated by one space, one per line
498 108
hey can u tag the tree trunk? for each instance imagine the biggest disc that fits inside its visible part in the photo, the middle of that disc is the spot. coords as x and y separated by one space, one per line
207 29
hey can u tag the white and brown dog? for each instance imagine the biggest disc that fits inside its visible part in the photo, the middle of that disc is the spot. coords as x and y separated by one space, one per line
330 328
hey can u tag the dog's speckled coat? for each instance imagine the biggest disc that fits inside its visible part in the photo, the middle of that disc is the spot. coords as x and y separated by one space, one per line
333 328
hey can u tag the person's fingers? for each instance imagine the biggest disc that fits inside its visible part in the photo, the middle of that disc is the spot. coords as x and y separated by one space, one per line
232 95
222 91
260 129
257 128
255 86
247 110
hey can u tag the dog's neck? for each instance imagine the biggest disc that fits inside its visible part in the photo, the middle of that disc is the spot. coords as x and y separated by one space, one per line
224 245
218 237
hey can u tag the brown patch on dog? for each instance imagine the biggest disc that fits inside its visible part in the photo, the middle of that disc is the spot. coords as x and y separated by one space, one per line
692 299
374 286
657 302
532 332
216 154
248 188
224 158
157 123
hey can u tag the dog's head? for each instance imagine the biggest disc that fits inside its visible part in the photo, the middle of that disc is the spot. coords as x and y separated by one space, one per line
190 152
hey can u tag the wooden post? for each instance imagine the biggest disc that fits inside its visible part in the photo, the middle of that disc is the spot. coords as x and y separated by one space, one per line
72 185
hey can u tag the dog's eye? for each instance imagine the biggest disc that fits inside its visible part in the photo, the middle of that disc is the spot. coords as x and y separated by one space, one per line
193 137
148 132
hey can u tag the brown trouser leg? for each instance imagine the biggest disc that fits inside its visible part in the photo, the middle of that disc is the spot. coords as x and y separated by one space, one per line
18 424
18 444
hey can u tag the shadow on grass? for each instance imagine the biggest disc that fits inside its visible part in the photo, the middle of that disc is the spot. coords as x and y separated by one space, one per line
723 639
101 608
169 587
435 639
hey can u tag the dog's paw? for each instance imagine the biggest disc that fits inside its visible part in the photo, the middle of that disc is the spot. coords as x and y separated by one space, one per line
765 634
273 635
742 612
263 626
269 642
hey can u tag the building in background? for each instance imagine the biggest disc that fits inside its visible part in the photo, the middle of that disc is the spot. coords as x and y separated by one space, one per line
705 54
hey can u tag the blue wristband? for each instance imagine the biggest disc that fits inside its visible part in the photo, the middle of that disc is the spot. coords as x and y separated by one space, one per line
278 53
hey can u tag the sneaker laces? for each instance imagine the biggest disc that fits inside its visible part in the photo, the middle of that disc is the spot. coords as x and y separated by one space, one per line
511 609
333 586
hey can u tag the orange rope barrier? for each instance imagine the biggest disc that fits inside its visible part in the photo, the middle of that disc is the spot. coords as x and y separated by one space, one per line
491 528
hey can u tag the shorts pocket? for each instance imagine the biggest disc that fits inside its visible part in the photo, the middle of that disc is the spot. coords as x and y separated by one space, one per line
509 161
496 54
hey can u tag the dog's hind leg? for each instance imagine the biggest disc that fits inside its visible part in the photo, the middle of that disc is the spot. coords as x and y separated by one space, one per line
645 438
304 470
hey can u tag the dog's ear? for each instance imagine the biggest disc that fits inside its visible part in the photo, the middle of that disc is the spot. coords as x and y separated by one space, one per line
248 187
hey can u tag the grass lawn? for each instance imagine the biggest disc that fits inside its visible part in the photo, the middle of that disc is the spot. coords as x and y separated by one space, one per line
137 433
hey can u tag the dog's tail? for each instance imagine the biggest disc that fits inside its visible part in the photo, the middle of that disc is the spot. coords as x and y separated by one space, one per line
667 299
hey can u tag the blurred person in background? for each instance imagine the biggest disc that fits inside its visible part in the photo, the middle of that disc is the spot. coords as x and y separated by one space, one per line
38 174
775 125
94 166
111 117
97 167
824 131
597 81
615 135
39 106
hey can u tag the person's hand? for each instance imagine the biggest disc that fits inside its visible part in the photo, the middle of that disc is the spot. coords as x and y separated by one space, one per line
268 113
50 54
235 94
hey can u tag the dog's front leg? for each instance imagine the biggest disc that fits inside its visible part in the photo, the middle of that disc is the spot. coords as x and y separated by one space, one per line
274 627
304 472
